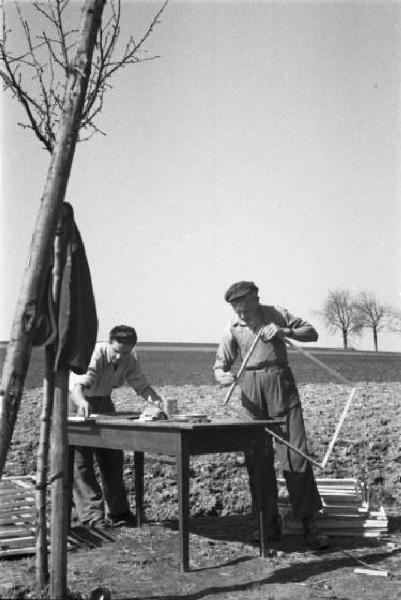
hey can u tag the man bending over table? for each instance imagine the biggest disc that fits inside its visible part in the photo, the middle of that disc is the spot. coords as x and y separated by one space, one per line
112 364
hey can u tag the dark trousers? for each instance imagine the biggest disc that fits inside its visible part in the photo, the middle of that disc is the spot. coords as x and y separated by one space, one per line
268 394
91 499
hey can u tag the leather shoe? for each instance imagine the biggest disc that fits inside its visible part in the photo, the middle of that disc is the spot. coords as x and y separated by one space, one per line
94 521
315 539
126 519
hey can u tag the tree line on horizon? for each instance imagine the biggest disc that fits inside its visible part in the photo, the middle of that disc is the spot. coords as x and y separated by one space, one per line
351 314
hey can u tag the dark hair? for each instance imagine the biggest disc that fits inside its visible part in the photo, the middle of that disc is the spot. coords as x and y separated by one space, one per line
123 334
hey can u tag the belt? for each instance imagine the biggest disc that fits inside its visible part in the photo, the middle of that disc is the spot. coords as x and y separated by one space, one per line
266 366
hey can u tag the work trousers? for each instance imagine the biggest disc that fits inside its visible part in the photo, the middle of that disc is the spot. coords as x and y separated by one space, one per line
93 500
268 394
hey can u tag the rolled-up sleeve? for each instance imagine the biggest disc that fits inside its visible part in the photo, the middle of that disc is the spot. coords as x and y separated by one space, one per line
227 351
309 333
94 371
136 379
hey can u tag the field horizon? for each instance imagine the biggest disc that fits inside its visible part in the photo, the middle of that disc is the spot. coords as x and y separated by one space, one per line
179 364
212 346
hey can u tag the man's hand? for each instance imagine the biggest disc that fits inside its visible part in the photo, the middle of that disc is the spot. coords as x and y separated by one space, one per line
152 397
82 404
271 330
83 407
224 378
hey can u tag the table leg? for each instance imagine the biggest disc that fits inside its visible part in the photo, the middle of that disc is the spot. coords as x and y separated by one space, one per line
139 461
70 483
183 501
261 500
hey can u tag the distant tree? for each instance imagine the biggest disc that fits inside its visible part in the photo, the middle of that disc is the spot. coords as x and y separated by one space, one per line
376 316
340 312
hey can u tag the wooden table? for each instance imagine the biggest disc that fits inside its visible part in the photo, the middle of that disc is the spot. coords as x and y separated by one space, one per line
179 439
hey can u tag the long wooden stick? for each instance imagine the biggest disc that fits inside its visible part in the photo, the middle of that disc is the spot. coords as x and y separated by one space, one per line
42 569
280 439
242 367
319 362
339 425
59 488
297 450
347 404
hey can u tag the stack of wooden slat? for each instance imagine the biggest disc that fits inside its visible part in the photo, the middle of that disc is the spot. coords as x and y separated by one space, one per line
17 516
345 512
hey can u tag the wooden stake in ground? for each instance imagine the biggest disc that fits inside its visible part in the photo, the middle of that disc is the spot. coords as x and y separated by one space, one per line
42 571
59 488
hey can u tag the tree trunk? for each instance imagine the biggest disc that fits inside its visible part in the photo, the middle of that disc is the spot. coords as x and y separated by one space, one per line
345 339
20 344
375 344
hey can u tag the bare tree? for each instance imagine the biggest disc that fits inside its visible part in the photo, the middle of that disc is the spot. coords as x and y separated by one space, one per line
60 80
37 75
376 316
340 312
61 93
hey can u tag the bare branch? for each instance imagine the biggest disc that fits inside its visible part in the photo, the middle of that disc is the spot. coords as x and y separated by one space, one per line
26 101
47 62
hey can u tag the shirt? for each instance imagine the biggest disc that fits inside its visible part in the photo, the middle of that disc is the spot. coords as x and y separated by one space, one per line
238 338
103 375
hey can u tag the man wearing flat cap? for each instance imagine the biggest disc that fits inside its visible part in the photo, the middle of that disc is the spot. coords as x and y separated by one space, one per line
268 390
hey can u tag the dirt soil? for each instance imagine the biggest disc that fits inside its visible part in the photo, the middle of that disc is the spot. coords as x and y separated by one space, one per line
139 564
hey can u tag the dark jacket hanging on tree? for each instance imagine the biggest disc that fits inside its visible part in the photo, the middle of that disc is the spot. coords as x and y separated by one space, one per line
70 323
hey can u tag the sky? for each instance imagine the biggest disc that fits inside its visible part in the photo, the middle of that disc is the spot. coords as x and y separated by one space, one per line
263 144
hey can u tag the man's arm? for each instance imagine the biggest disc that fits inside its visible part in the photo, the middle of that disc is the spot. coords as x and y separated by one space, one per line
226 354
84 381
141 385
294 328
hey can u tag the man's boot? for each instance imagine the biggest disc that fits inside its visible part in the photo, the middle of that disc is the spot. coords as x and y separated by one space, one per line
315 539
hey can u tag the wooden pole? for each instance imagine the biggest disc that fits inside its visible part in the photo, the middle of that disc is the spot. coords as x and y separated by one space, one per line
42 570
59 488
339 425
20 344
293 448
242 367
319 362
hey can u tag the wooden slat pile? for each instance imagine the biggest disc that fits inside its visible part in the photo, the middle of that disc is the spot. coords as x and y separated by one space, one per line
345 512
17 516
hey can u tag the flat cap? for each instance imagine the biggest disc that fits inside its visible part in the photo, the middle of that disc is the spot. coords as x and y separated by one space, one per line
239 289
